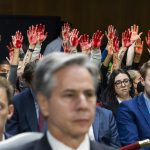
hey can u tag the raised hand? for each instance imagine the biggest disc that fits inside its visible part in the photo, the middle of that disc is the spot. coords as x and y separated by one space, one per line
116 45
10 47
85 43
17 39
139 46
66 32
74 39
111 33
96 39
42 35
32 36
126 39
134 33
148 38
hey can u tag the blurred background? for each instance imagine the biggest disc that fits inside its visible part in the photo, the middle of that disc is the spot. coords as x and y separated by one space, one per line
86 15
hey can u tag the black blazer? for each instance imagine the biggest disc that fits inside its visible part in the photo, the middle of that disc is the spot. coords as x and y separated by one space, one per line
24 118
105 128
7 135
43 144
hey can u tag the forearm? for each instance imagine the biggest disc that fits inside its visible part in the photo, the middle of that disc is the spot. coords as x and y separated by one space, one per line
36 52
15 60
107 60
121 55
130 55
96 57
26 59
115 61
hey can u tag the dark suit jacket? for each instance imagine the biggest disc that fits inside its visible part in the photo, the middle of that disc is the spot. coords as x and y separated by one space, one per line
43 144
24 118
7 135
105 129
133 120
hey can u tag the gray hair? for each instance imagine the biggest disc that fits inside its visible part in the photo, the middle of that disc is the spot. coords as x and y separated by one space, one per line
46 69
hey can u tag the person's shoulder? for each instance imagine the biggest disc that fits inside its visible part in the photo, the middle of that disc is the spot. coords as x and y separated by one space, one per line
21 97
99 146
103 111
7 135
132 102
56 40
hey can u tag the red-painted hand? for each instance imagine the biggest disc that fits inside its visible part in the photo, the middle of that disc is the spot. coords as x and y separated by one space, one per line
66 31
74 40
139 47
116 45
96 39
111 33
17 39
85 43
126 39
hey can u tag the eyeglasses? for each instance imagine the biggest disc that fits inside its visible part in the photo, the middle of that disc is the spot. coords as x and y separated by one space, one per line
125 82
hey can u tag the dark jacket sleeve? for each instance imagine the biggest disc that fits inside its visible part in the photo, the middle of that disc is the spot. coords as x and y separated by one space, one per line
13 75
128 132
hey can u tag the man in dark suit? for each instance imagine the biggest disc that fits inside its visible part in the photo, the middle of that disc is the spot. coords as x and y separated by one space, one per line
25 117
105 129
65 86
133 116
6 107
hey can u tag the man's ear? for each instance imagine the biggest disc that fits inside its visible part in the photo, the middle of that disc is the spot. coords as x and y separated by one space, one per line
43 104
142 81
10 111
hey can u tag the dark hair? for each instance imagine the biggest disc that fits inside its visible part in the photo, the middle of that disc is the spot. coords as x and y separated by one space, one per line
4 83
29 71
144 69
109 95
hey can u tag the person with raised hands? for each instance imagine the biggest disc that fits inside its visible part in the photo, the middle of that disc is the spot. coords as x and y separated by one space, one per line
32 39
107 53
41 36
14 48
36 35
96 42
115 53
134 31
110 34
65 32
74 40
126 43
14 51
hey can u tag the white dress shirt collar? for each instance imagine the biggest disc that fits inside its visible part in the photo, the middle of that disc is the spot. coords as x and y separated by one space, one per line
57 145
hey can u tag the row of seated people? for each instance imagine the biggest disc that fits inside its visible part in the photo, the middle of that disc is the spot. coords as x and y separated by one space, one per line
123 94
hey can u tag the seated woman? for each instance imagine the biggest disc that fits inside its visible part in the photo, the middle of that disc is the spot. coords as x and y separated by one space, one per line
120 88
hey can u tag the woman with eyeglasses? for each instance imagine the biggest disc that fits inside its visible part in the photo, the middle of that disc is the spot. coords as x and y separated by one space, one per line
120 88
